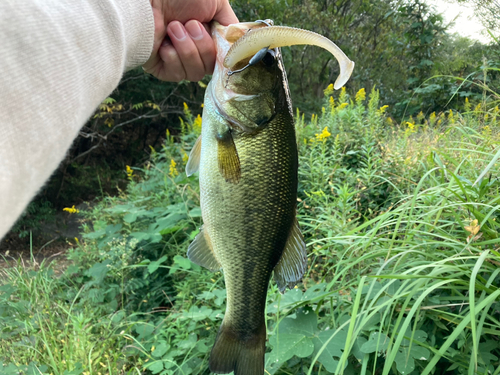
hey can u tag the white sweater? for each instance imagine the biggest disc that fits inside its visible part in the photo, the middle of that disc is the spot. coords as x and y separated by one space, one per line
58 60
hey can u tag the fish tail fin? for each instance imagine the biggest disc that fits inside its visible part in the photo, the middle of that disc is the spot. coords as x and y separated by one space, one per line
232 353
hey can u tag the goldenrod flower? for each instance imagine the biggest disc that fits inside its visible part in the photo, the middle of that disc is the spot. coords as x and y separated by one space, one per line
478 107
342 106
130 172
332 102
328 90
323 135
197 124
360 95
467 104
185 158
382 109
71 210
185 106
173 171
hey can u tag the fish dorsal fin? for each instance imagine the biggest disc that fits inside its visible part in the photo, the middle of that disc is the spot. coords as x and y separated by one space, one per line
293 261
200 252
227 157
193 163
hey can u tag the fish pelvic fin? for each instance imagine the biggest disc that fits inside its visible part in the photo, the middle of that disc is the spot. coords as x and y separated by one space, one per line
193 163
201 252
231 352
293 261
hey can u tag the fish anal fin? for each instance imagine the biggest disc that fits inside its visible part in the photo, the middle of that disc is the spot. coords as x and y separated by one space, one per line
227 157
243 355
200 251
193 163
293 261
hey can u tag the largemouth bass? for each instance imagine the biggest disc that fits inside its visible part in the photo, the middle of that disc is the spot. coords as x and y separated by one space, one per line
247 159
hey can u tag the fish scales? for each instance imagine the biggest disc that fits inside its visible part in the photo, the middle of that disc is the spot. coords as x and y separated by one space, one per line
249 222
247 159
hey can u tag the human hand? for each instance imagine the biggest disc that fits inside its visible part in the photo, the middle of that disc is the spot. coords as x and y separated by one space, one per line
183 47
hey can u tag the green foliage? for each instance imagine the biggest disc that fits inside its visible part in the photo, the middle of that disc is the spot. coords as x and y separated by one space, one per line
401 222
37 213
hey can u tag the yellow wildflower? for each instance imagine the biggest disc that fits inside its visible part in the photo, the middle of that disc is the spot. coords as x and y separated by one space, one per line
389 121
478 107
185 158
343 95
197 124
332 102
328 90
202 105
342 106
323 135
185 106
71 210
360 95
467 104
323 110
129 171
382 109
173 171
420 116
432 117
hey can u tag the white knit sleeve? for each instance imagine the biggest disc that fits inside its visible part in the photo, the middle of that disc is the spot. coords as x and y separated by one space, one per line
58 60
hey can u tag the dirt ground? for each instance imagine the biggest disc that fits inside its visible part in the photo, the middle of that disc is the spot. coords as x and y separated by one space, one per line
14 251
50 246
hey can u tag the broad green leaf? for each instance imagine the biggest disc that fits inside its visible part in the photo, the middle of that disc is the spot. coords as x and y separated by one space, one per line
169 221
293 337
404 361
161 349
188 343
195 212
95 235
197 313
333 350
376 342
141 236
130 217
99 270
155 367
153 266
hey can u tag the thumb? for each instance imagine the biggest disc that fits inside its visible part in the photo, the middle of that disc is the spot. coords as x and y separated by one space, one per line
225 14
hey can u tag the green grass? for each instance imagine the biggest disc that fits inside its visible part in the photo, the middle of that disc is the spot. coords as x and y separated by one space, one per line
401 223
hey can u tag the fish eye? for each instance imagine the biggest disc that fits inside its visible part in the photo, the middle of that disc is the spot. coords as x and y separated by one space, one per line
269 58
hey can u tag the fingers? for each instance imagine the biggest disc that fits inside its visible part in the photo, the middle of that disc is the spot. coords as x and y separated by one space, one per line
187 53
225 14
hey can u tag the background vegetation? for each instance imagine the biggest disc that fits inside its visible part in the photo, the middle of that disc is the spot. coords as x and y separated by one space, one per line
398 202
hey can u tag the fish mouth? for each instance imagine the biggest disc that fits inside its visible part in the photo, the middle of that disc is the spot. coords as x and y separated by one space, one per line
238 42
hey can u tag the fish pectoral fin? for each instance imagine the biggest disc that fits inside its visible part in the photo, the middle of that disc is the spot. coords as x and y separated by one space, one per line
227 157
293 261
193 163
200 251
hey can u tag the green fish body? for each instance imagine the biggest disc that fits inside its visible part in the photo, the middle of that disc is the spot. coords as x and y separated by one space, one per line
247 159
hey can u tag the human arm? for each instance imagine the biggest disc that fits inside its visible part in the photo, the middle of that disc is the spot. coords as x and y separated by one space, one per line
59 61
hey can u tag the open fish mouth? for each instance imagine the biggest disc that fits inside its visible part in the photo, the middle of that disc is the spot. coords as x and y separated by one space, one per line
240 42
